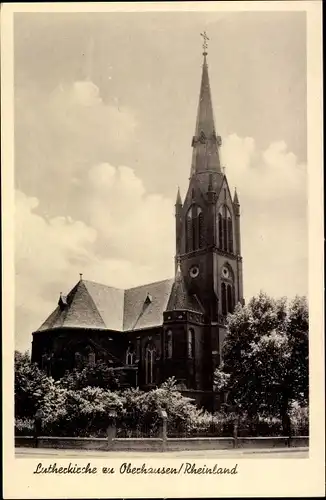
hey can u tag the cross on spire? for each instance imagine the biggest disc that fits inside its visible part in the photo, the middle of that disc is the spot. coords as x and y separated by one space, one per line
205 38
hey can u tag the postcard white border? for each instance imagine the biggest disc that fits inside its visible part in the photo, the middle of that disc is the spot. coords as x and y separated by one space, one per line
268 477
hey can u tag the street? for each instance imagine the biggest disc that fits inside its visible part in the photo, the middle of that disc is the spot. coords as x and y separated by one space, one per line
291 453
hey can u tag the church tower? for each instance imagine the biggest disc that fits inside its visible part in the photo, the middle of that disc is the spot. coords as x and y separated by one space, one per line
208 249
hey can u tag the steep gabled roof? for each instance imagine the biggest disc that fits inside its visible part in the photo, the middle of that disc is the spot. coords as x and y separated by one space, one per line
144 305
94 305
109 302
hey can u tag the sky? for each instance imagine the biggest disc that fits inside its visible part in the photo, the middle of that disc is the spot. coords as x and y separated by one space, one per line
105 111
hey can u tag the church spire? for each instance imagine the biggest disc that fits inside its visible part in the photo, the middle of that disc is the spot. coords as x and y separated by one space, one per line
178 200
205 142
180 299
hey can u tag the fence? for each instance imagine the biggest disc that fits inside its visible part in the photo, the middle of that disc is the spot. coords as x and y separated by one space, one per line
129 425
133 425
211 428
119 438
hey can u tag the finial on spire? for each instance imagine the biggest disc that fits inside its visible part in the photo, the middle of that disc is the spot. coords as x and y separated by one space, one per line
178 272
178 200
81 276
223 169
205 46
235 198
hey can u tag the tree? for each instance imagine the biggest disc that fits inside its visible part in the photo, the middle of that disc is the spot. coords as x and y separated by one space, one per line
265 357
97 375
31 384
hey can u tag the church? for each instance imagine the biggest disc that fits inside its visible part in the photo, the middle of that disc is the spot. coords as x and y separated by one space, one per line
168 328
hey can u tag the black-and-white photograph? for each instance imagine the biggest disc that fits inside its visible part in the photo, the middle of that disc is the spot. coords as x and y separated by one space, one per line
161 230
161 236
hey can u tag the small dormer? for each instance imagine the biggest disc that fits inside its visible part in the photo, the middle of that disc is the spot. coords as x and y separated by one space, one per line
149 299
62 301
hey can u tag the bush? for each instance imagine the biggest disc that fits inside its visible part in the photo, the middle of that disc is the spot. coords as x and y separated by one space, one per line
140 415
259 426
84 413
68 407
300 420
24 427
141 412
99 375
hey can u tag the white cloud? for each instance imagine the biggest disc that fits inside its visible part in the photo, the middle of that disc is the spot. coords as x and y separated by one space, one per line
263 175
59 135
237 153
86 93
50 253
79 109
139 226
129 239
273 195
42 252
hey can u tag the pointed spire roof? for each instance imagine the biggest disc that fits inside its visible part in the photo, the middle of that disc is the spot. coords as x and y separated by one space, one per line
205 142
178 200
235 198
180 299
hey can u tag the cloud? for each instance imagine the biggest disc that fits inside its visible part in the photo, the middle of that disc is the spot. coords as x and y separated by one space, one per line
60 134
79 109
272 187
129 236
136 227
42 252
267 175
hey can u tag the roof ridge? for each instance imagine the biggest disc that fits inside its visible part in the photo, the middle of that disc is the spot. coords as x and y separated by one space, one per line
102 284
151 283
129 288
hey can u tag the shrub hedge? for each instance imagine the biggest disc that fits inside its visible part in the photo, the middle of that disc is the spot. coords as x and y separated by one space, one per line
70 407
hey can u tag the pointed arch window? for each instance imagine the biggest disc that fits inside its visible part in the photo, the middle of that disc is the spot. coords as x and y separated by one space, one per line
130 355
149 364
225 230
169 344
224 303
227 291
227 295
229 298
194 228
